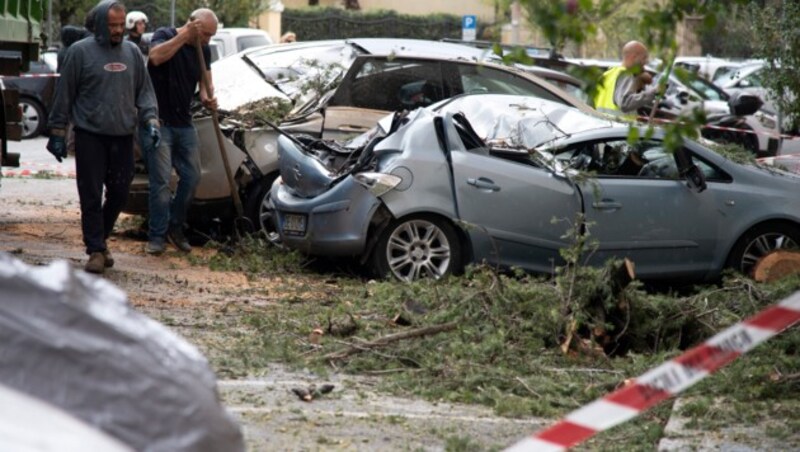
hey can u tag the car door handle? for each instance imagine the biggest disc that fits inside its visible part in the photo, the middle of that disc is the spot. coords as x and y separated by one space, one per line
483 183
352 128
607 204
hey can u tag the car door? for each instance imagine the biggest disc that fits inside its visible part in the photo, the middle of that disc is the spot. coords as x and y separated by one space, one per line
515 211
638 207
375 86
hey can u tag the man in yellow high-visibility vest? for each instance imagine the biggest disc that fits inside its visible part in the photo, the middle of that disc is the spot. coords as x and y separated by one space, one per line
624 88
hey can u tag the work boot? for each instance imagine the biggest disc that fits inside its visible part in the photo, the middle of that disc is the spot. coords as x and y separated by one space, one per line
109 258
155 247
97 263
175 237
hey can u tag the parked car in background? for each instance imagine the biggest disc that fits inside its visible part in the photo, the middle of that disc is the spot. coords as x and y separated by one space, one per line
234 40
502 179
707 67
36 88
334 89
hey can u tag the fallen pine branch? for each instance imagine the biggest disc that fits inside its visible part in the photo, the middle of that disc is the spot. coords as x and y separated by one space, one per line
386 340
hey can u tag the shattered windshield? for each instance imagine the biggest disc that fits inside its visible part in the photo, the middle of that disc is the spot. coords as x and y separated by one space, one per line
305 73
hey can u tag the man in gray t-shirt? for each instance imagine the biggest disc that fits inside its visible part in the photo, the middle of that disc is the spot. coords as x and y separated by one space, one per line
634 91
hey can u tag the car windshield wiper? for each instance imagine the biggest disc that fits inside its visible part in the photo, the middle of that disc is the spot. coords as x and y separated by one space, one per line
261 73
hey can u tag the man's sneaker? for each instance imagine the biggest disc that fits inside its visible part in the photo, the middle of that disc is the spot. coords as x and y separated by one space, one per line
96 264
109 258
155 247
176 238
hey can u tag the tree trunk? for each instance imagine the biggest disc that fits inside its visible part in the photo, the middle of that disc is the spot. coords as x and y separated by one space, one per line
776 265
351 4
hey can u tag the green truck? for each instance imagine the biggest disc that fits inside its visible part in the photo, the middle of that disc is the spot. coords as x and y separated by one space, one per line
20 38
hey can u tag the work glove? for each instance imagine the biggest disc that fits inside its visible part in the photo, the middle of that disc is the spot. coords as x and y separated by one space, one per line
57 146
154 132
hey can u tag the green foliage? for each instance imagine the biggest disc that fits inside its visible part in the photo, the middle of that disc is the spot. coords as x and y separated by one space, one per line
231 13
779 43
334 23
259 113
568 21
253 255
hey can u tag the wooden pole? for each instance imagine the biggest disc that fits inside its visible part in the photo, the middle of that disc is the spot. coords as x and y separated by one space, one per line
237 202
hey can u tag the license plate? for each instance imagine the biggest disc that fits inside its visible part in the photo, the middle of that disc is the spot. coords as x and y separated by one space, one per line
294 224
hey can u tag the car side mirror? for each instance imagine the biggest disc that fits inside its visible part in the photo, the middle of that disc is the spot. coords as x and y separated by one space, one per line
744 104
691 173
683 97
695 179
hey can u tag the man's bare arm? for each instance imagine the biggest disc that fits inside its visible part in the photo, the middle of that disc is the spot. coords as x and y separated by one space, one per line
163 52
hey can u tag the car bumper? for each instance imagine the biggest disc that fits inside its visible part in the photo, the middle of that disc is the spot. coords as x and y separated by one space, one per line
336 222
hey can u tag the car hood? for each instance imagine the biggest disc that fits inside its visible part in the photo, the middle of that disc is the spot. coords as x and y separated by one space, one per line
237 83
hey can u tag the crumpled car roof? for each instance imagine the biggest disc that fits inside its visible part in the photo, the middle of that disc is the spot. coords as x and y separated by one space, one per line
521 121
72 340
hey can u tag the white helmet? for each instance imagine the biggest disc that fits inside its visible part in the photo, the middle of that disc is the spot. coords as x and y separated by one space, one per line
133 17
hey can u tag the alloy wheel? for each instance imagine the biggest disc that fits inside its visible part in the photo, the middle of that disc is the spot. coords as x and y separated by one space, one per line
417 249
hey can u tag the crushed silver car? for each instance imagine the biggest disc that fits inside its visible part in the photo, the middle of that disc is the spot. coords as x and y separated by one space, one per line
483 177
329 89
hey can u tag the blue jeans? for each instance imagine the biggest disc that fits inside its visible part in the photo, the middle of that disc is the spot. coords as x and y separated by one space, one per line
178 150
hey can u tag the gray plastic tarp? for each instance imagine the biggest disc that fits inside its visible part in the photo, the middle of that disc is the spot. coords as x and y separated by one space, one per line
72 340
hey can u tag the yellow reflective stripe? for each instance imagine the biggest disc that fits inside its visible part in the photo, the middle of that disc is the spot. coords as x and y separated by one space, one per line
604 98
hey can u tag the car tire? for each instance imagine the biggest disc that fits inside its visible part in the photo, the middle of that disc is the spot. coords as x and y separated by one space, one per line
418 246
33 118
257 207
760 241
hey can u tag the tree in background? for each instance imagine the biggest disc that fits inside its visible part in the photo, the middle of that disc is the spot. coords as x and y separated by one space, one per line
777 40
231 13
351 4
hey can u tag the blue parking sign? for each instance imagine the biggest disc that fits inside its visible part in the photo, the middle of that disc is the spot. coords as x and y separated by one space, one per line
469 25
468 22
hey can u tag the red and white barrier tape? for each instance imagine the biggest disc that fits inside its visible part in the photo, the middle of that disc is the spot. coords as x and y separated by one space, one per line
664 381
33 173
728 129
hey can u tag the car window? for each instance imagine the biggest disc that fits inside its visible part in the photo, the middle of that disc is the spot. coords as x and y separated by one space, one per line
575 90
646 159
245 42
392 85
753 79
482 79
221 45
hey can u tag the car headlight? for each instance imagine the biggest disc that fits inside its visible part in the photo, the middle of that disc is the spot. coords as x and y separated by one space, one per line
378 183
767 121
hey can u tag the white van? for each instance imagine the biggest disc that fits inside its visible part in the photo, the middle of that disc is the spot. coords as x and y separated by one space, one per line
234 40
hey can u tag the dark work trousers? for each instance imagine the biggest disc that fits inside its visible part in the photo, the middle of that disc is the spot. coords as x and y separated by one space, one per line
102 160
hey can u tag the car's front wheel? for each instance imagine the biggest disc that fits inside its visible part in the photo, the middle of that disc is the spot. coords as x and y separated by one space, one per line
417 247
258 210
760 241
33 118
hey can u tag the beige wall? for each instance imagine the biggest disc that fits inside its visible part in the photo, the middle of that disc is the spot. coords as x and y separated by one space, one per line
481 8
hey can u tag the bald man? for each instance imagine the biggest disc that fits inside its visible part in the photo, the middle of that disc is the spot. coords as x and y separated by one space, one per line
175 70
627 87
